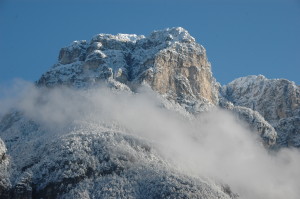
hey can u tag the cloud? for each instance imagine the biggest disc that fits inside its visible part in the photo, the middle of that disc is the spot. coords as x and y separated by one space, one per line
11 93
214 145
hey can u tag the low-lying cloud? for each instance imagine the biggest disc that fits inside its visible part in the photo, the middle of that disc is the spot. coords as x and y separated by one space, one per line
215 144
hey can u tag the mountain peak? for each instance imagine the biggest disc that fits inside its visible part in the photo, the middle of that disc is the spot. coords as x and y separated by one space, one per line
174 34
119 37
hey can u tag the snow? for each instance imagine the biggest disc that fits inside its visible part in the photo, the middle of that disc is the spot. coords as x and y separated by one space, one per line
119 37
77 45
172 34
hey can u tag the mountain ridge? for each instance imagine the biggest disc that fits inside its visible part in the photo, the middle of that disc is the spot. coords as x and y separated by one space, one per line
277 100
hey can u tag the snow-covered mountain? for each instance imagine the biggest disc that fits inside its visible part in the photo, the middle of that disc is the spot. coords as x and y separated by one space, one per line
277 100
98 122
170 61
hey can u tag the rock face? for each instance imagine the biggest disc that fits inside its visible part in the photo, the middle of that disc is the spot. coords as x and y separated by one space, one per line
277 100
254 121
4 173
170 61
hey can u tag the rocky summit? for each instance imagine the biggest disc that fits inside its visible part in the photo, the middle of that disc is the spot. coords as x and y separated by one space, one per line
170 61
100 157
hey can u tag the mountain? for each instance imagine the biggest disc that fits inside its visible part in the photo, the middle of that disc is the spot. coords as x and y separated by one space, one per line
83 158
170 61
76 133
277 100
93 162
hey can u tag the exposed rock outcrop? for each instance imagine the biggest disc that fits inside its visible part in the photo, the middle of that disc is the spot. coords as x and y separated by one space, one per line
254 121
4 173
277 100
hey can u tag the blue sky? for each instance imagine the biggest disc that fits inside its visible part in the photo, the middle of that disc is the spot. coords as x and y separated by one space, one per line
241 37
